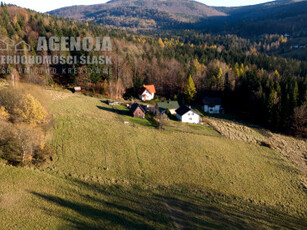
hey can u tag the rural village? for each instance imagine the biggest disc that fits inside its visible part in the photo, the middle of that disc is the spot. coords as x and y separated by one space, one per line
146 107
153 114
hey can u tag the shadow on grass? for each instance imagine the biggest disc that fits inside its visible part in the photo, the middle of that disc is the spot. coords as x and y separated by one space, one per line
96 206
115 110
106 109
119 109
123 111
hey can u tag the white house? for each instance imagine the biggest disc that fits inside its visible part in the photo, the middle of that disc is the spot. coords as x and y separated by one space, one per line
187 115
147 93
213 105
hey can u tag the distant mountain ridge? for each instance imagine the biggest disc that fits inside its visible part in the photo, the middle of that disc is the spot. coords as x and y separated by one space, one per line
281 16
141 13
276 16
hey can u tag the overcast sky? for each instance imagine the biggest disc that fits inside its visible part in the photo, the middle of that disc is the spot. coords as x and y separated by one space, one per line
43 5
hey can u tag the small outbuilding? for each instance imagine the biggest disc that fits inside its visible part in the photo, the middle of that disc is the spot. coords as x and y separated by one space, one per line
77 89
172 106
187 115
137 110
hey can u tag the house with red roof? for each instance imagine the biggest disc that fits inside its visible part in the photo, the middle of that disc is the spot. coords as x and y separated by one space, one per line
147 92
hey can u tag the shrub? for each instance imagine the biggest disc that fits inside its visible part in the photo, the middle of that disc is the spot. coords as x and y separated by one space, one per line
9 149
22 123
22 107
42 154
22 144
10 99
3 114
31 111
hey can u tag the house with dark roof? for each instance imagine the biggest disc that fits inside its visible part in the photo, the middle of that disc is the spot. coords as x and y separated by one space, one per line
187 115
137 110
172 106
147 92
213 105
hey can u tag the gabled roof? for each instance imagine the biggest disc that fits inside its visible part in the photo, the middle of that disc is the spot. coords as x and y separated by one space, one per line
135 106
184 109
169 105
212 101
149 88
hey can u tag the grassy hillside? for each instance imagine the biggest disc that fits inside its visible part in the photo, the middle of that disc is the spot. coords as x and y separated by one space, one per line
155 179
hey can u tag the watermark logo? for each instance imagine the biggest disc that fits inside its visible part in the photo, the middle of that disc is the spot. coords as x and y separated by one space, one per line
74 44
53 54
58 51
6 43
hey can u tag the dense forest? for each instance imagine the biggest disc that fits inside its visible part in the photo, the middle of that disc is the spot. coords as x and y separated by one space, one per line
271 91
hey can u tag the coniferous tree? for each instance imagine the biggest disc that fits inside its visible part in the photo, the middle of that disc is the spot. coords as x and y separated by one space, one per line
190 89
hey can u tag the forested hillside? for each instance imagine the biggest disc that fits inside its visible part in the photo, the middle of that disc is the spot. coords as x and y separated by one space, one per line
268 90
141 14
280 16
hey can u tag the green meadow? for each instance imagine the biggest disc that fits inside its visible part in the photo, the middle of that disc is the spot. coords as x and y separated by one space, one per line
106 174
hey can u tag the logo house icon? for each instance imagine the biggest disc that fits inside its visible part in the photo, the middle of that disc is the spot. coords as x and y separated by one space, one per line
6 43
22 46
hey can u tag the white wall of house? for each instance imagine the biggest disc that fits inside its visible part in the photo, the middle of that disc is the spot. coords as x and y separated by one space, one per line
173 111
213 110
189 117
147 96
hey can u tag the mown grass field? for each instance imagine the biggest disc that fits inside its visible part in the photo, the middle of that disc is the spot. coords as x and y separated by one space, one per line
155 179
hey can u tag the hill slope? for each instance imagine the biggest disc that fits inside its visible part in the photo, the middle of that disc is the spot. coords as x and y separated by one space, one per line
156 179
141 13
282 16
